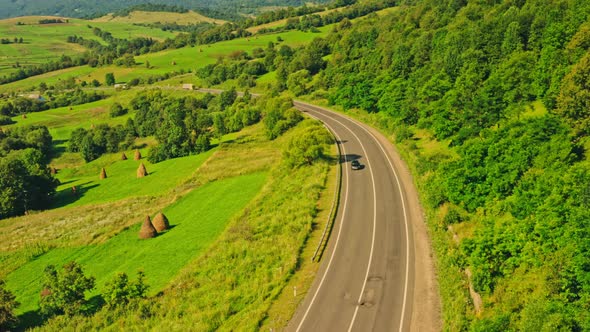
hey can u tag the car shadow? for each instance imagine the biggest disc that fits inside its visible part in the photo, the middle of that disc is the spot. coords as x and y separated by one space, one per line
349 157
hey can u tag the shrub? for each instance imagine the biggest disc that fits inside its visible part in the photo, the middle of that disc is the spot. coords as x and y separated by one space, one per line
117 110
120 291
64 293
7 306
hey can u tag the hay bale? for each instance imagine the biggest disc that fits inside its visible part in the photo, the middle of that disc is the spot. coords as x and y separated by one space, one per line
103 174
24 116
147 230
137 155
161 222
123 156
141 171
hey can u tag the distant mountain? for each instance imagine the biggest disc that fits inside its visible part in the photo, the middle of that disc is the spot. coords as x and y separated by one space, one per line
92 8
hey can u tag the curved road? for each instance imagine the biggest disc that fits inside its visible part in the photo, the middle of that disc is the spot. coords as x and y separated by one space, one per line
377 271
369 279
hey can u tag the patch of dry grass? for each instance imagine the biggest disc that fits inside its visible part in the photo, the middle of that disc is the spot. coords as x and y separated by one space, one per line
163 17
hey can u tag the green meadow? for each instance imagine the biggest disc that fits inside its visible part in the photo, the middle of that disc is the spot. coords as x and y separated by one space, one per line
196 220
168 60
43 42
121 181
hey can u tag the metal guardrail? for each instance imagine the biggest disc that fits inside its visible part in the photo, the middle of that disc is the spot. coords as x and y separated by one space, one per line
335 202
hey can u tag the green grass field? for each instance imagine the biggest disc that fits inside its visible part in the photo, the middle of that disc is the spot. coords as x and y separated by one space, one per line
43 42
121 181
197 219
167 61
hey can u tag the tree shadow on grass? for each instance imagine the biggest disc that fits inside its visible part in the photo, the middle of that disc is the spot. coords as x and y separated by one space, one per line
29 320
95 303
69 195
32 319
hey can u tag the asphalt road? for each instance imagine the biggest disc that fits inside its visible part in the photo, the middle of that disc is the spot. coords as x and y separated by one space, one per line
377 271
366 280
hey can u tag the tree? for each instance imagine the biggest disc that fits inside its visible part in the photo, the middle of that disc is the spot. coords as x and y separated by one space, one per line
308 146
7 306
109 79
89 149
64 293
120 290
117 110
226 98
573 102
297 82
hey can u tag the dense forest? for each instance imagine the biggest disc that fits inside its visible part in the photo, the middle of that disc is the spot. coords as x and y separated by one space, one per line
223 9
503 87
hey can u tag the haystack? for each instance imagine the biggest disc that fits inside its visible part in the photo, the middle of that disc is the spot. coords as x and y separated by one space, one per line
161 222
103 174
137 155
123 156
52 170
92 126
24 116
141 171
147 230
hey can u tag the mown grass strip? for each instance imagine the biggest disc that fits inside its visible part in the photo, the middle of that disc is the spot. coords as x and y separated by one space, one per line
197 219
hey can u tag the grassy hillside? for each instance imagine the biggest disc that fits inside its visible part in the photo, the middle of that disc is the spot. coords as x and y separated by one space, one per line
167 61
139 16
43 42
195 225
85 8
207 197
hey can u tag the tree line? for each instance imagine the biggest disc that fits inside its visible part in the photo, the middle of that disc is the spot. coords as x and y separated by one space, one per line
13 106
26 182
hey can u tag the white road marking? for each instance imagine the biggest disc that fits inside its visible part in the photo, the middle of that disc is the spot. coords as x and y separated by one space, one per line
373 235
337 238
401 324
403 207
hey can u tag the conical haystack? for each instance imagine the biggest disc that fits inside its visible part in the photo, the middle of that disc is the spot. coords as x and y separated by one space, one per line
24 116
103 174
52 170
161 222
123 156
147 230
137 155
141 171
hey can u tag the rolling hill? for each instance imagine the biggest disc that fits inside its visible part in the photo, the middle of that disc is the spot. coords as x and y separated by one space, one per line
86 8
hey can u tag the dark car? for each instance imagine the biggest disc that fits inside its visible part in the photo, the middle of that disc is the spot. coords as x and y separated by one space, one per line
355 164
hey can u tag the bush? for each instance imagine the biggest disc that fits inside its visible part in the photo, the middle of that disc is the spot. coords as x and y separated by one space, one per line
120 291
7 306
308 146
64 293
117 110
